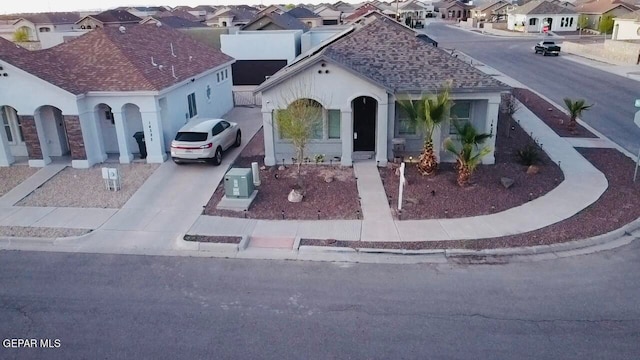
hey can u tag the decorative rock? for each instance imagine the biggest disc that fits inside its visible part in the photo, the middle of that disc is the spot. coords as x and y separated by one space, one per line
294 196
533 169
507 182
263 167
412 201
328 178
281 168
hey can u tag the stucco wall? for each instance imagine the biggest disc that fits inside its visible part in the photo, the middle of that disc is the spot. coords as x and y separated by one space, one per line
618 51
262 45
314 37
626 30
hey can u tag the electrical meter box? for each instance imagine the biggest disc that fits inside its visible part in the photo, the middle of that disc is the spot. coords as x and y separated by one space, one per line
238 183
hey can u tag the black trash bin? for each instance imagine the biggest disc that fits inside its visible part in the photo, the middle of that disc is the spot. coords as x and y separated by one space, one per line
139 136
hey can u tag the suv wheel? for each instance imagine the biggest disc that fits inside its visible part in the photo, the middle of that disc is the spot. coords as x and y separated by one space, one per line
238 139
217 158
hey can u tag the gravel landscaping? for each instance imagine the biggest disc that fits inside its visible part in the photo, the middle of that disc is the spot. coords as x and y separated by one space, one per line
337 199
214 239
85 187
439 196
43 232
14 175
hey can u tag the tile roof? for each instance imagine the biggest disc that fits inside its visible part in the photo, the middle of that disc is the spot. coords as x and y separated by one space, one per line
177 22
392 56
284 21
302 13
55 18
116 16
179 13
541 7
109 60
237 13
630 16
603 6
362 10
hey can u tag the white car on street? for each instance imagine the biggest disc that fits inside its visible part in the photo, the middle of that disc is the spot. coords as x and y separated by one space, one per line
205 140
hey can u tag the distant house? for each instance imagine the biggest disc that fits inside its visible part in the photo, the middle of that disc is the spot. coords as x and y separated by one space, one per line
595 11
627 27
538 16
455 10
231 16
113 18
95 92
414 10
306 16
495 11
329 15
144 11
201 12
275 20
49 29
172 22
357 77
360 11
181 14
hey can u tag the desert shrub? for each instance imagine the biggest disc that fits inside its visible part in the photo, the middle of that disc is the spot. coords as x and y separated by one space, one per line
528 155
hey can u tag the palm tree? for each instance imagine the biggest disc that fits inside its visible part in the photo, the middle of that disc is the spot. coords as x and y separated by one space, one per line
469 155
429 112
575 107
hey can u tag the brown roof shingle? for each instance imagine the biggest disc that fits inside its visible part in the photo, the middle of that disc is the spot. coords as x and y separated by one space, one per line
109 60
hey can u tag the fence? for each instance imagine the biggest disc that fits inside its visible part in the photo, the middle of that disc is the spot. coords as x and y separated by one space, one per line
246 98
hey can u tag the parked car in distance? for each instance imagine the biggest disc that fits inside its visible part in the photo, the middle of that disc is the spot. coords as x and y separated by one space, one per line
205 140
419 25
547 48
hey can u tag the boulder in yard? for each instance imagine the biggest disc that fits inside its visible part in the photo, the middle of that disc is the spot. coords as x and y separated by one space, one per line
533 169
507 182
328 178
294 196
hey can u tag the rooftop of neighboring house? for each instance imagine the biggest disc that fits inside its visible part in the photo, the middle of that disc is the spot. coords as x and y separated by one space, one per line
148 8
491 5
55 18
301 12
284 21
362 10
603 6
630 16
175 22
108 59
391 55
115 16
450 4
541 7
411 5
237 13
179 13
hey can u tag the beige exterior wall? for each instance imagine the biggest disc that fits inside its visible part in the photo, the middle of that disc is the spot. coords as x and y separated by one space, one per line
617 51
624 29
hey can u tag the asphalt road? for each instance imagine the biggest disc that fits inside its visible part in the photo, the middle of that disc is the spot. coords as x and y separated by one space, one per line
555 77
145 307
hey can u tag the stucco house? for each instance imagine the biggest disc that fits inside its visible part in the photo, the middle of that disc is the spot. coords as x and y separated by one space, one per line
329 15
275 20
306 16
455 10
595 11
45 30
174 22
96 91
495 11
537 15
231 16
357 78
627 27
113 18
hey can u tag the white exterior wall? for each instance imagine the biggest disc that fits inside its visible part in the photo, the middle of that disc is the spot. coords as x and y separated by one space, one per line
262 45
322 88
52 39
514 21
314 37
626 29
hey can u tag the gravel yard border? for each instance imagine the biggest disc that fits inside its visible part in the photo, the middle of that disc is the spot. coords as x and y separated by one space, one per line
40 232
213 239
11 176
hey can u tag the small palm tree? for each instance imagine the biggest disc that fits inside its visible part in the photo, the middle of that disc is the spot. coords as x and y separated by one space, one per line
469 155
21 35
429 112
575 107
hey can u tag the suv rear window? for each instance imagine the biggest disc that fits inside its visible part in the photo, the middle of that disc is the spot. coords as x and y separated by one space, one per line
191 136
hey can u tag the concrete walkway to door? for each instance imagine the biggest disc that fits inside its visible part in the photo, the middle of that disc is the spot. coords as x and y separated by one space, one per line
377 223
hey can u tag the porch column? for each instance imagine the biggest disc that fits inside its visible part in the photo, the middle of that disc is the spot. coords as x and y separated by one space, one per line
493 108
346 133
6 158
76 141
34 138
121 133
153 137
269 145
381 134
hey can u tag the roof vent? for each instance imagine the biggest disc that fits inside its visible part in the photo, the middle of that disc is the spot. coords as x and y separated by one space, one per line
122 29
158 24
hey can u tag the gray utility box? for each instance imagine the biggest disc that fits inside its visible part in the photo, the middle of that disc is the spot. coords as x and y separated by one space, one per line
238 183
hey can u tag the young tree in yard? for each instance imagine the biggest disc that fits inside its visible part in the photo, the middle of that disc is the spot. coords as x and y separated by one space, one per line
21 35
297 123
429 113
509 106
575 107
606 25
583 22
469 155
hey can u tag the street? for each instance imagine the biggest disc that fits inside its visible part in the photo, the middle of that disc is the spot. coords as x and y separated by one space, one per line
555 78
123 307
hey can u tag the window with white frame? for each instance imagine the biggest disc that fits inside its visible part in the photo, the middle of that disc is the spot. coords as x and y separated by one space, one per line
460 113
7 126
193 110
333 124
325 128
404 124
533 21
11 124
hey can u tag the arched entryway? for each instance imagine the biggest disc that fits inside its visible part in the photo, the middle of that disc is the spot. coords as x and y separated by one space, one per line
365 109
54 133
132 124
547 22
107 128
12 131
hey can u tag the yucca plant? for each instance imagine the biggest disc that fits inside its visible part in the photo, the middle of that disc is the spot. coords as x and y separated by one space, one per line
575 107
429 112
469 154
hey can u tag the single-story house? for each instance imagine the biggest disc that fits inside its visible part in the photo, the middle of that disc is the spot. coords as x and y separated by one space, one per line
357 79
538 15
275 20
595 11
113 18
455 10
231 16
329 15
627 27
494 11
96 91
307 16
174 22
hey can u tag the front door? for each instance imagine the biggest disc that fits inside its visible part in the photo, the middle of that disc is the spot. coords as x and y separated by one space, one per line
364 123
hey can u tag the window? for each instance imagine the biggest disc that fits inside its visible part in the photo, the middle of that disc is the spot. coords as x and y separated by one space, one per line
193 110
108 115
533 22
460 112
571 22
226 73
6 125
334 124
20 129
225 124
44 29
405 125
217 129
191 136
562 22
218 77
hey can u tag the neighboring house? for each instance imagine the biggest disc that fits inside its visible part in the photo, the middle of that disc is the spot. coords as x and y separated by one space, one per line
179 13
201 12
275 21
113 18
231 16
595 11
360 11
95 92
455 10
627 27
492 12
357 79
306 16
414 10
566 4
144 11
538 15
43 23
319 34
172 22
329 15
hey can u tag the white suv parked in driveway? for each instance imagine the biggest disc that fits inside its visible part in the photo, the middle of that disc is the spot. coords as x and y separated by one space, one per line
205 140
